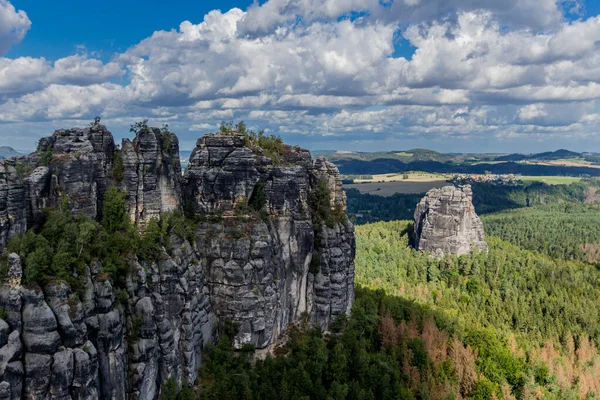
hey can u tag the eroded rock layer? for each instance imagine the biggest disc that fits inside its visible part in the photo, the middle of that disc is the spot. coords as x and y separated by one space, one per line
446 222
258 257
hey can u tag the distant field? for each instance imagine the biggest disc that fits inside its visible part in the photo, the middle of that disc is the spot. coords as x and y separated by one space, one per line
570 162
399 177
403 186
551 180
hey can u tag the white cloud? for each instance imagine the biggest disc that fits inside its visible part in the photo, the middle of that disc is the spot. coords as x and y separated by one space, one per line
13 25
21 75
329 68
81 70
25 75
202 127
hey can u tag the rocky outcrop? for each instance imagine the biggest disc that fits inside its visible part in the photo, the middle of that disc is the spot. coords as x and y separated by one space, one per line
151 174
259 256
257 261
446 222
71 167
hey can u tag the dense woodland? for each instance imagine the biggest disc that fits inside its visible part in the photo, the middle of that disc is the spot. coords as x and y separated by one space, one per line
486 199
544 312
392 165
567 231
521 322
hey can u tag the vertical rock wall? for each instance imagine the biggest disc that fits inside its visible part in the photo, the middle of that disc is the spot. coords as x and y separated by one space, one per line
151 174
446 222
249 261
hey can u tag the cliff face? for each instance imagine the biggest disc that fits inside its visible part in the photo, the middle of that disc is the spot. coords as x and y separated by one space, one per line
71 166
258 257
446 222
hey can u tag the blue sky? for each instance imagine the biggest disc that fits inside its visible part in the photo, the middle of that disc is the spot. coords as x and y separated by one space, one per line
107 27
453 75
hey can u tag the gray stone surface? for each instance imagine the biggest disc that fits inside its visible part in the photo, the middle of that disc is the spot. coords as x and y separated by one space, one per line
247 265
446 222
151 174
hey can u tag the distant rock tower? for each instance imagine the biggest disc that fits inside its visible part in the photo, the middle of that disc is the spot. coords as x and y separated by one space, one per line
446 222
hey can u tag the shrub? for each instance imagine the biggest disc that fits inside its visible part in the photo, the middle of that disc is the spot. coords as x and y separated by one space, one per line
46 157
140 126
315 263
167 138
117 167
95 122
258 199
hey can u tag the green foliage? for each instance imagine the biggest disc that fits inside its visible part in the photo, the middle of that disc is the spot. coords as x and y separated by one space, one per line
140 126
114 214
560 230
484 390
514 290
258 199
226 127
168 138
63 247
95 123
348 364
23 169
170 391
135 328
46 157
489 299
486 199
495 358
315 263
271 145
319 201
2 313
118 170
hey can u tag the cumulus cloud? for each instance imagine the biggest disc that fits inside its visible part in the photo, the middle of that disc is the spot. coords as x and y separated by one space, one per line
13 25
25 75
330 68
81 70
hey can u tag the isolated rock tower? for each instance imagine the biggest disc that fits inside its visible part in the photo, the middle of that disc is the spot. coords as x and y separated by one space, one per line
446 222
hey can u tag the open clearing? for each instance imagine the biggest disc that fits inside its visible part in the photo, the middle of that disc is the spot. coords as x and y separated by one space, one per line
399 177
403 186
551 180
571 162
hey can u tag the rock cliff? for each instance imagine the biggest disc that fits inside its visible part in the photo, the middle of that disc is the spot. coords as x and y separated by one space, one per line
446 222
259 255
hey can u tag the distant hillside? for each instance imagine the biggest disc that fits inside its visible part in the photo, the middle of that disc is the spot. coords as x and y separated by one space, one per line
407 156
384 166
549 155
560 162
7 152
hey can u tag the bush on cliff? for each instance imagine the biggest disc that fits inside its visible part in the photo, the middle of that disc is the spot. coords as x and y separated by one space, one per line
62 245
272 146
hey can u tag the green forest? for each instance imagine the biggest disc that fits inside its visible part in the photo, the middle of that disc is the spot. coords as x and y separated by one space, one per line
512 324
519 322
486 199
543 311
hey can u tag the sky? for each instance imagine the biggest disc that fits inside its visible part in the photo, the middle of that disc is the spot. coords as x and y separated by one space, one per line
360 75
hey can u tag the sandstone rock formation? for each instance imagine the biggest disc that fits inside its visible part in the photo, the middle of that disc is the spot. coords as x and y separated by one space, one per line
257 257
446 222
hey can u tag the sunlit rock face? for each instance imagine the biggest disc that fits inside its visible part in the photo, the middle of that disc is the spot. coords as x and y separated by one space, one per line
257 267
446 222
258 257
